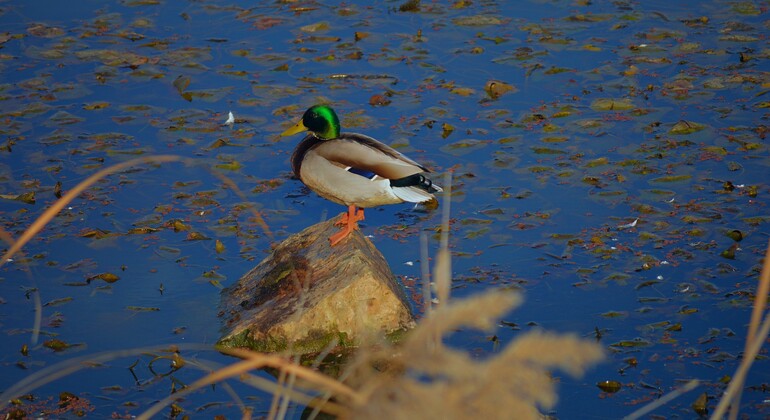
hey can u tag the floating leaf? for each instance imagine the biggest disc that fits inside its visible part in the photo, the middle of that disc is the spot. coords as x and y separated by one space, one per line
27 197
729 253
446 130
738 38
230 166
178 225
594 181
547 151
221 142
496 88
56 345
615 314
557 70
213 278
57 302
473 234
63 118
555 139
477 20
752 191
672 178
106 277
112 58
181 83
609 104
196 236
686 127
96 105
598 17
141 230
315 27
597 162
637 342
462 91
142 308
735 235
700 404
610 386
410 6
44 31
715 150
379 100
463 147
745 8
589 123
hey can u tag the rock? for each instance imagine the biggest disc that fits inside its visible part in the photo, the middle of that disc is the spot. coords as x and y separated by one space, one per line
306 293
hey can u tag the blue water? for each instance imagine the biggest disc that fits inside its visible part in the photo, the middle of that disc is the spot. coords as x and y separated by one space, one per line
530 209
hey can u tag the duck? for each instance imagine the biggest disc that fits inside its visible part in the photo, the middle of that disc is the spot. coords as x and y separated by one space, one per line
353 169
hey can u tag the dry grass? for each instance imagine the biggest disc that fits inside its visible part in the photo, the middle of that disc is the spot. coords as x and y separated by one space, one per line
78 189
424 380
58 205
50 213
756 336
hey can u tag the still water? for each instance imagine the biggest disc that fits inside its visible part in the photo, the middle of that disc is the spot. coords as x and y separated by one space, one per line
604 182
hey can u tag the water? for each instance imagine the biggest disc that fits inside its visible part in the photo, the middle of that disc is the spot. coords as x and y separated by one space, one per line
89 85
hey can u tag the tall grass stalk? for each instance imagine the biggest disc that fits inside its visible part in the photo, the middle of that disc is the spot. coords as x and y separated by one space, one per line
65 368
82 186
756 336
48 215
67 198
253 360
442 270
660 402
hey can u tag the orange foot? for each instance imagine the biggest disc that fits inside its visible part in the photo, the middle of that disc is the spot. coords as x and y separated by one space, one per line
348 222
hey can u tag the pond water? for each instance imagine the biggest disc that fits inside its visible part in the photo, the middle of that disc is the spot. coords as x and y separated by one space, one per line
604 175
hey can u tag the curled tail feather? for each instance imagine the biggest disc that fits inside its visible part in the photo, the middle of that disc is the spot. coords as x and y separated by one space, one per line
414 188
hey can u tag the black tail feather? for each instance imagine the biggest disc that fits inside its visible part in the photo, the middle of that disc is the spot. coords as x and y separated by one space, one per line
416 180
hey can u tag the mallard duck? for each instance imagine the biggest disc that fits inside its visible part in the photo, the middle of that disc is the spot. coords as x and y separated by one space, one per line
353 169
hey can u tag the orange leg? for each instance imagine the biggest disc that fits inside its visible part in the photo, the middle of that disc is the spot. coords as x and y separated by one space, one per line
349 222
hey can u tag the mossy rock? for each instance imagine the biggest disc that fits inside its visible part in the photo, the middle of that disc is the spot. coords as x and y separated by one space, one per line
306 294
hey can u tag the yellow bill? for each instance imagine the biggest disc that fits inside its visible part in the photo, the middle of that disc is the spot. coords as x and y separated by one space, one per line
296 128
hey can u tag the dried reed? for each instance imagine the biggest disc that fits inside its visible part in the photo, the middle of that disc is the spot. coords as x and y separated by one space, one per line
755 337
59 204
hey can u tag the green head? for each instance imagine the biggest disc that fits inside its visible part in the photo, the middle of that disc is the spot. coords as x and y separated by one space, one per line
320 120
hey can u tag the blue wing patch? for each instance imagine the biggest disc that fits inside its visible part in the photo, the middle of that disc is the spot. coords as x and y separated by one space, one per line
364 173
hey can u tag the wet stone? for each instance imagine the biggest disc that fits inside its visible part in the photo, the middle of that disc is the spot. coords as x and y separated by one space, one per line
306 293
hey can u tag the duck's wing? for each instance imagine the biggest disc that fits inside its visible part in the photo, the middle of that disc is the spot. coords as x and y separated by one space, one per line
363 154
